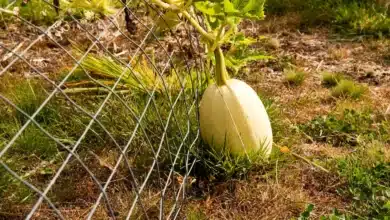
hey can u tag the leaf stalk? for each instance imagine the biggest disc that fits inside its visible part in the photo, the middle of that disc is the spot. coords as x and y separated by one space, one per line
221 74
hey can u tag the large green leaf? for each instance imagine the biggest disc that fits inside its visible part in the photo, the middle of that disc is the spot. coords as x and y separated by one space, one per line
209 8
230 7
240 53
237 62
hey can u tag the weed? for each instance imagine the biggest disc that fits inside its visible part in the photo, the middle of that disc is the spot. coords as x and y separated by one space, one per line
272 43
348 128
306 214
32 145
294 77
348 88
367 174
331 79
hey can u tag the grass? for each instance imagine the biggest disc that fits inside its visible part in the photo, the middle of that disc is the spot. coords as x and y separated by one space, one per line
103 71
342 87
350 17
196 215
348 127
364 19
348 89
338 53
364 171
35 142
336 214
367 174
221 166
294 77
331 79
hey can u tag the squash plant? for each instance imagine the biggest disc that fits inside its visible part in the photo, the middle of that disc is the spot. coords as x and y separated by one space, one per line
232 115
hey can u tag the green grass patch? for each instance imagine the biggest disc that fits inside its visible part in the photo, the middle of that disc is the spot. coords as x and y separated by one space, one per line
194 214
350 17
294 77
360 18
348 89
348 128
34 142
367 174
283 132
222 166
365 183
331 79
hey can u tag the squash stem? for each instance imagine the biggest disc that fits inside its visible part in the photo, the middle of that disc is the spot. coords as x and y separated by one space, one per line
221 74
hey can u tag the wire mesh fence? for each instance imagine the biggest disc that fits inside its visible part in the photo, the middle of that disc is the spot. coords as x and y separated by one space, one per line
98 119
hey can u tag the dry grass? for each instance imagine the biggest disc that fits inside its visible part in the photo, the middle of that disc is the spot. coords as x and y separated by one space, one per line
322 150
338 53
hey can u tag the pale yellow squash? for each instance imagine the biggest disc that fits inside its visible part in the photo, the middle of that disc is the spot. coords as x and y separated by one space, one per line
233 116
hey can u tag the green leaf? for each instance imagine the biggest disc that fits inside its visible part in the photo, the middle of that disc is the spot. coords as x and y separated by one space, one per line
236 63
387 205
241 40
214 22
233 21
306 214
209 8
229 7
254 7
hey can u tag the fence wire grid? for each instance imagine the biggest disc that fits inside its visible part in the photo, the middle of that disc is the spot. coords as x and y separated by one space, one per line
98 119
